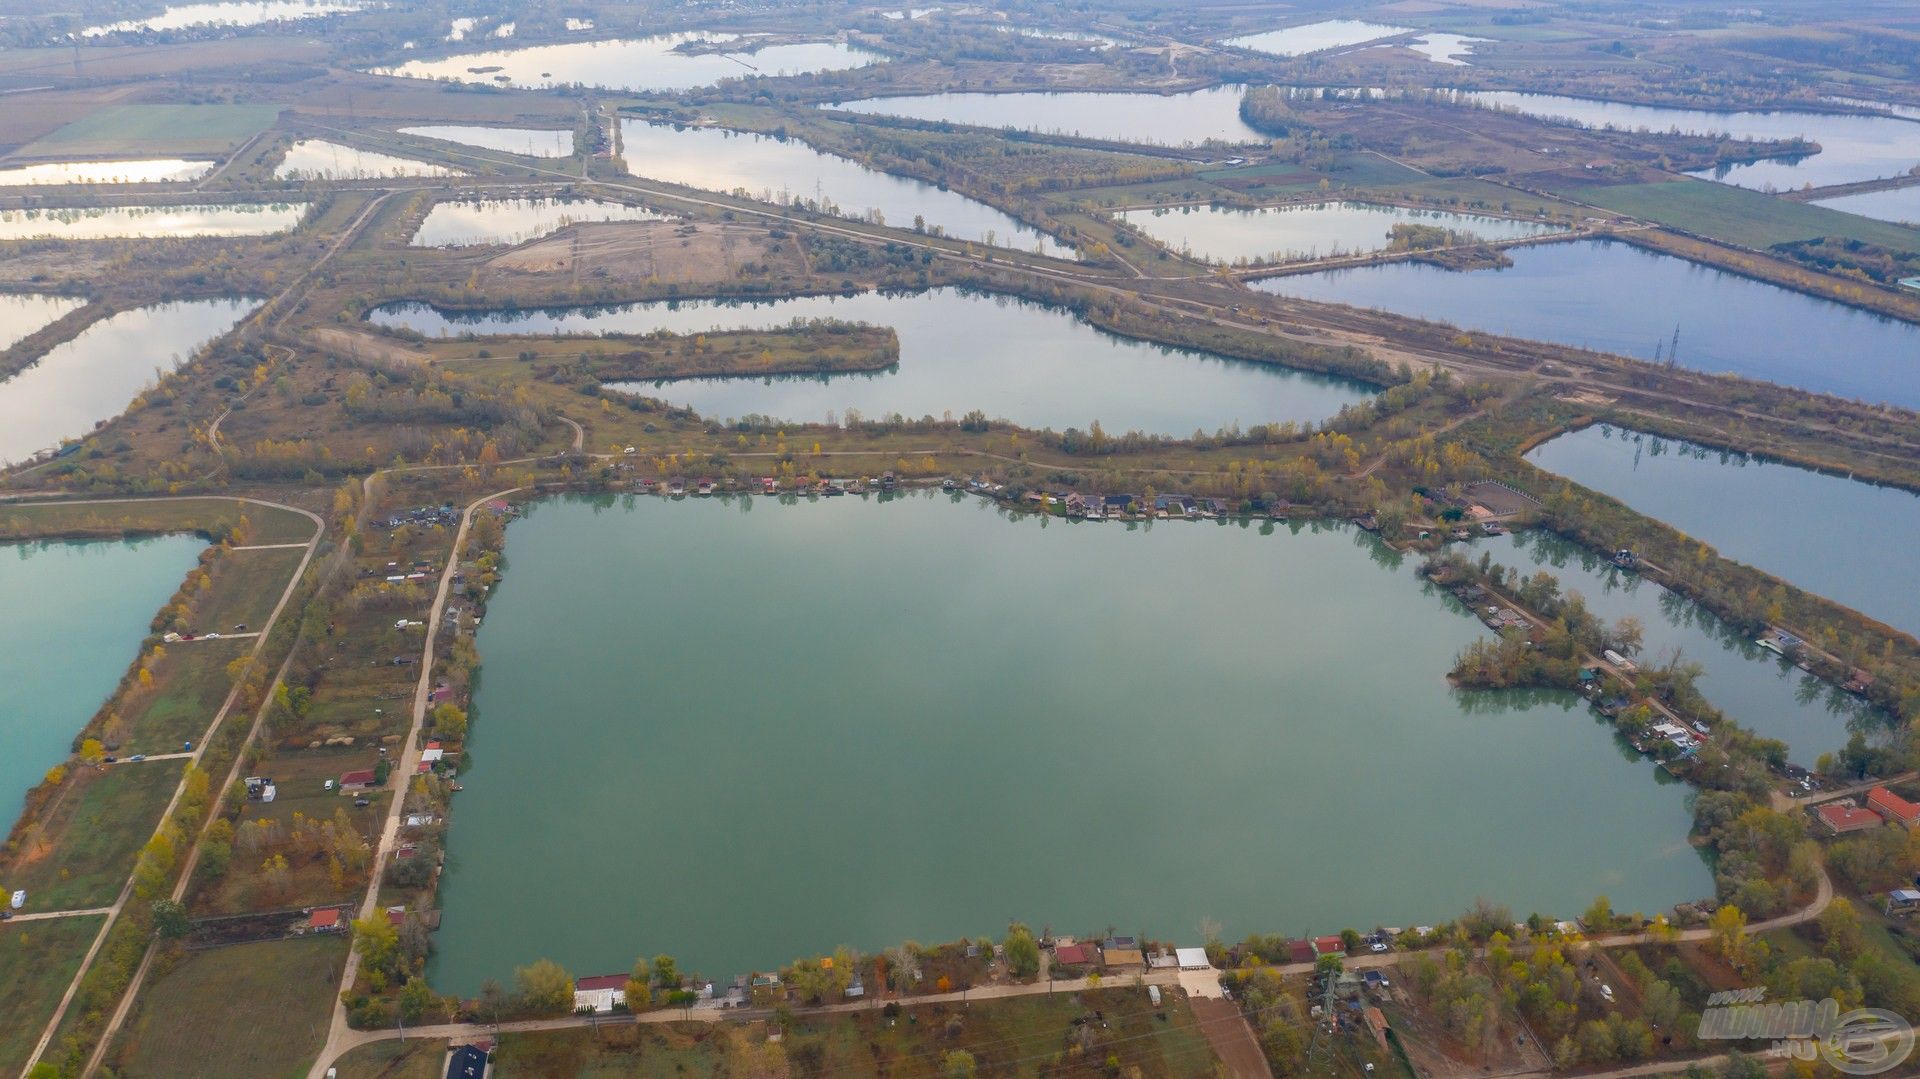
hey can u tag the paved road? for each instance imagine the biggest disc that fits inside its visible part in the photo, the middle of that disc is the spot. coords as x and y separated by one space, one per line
179 791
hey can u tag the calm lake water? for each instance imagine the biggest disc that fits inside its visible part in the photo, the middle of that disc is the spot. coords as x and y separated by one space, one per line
137 222
1900 204
95 375
649 63
957 352
143 171
527 141
1306 230
782 170
1451 49
181 16
90 605
1315 37
895 767
25 313
464 222
1160 119
1851 147
1752 686
1616 298
317 159
1839 538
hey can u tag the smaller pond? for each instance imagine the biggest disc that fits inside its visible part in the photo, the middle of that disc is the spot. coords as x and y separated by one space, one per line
1900 205
1613 297
467 222
253 13
144 171
1852 147
317 159
1034 365
151 222
1451 49
25 313
526 141
1750 685
665 62
1188 119
1307 230
92 377
1316 37
90 606
1835 537
784 170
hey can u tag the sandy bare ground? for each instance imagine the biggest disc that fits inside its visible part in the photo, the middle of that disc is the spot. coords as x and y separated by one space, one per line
667 251
367 347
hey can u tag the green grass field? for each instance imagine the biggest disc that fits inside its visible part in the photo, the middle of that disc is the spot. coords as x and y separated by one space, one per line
90 840
129 130
1749 218
415 1059
265 1006
245 587
28 520
189 685
37 961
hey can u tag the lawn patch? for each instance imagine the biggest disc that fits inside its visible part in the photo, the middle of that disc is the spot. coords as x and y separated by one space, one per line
265 1006
246 585
81 850
207 516
37 962
189 685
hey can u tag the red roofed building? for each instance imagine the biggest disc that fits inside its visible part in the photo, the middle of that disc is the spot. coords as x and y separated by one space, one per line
361 778
326 920
1073 955
1328 946
1843 817
1300 951
1893 807
599 992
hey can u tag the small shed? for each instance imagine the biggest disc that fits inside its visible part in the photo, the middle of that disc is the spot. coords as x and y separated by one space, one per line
324 920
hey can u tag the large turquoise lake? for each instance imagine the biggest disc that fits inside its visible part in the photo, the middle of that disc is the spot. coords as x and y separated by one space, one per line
78 612
1839 538
741 731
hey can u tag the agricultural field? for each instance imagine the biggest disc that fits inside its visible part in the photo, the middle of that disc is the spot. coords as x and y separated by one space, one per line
190 682
207 516
1739 216
154 130
265 1006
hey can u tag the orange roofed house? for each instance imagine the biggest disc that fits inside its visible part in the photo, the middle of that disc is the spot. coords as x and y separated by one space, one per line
1893 807
1843 817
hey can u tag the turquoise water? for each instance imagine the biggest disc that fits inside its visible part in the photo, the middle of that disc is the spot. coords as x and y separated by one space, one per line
740 731
77 614
1839 538
1034 365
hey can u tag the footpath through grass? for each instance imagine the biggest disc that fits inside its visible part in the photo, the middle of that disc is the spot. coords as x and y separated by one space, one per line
243 1011
37 962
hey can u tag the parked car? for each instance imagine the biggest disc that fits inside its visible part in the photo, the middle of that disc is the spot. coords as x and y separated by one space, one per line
361 803
1606 992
